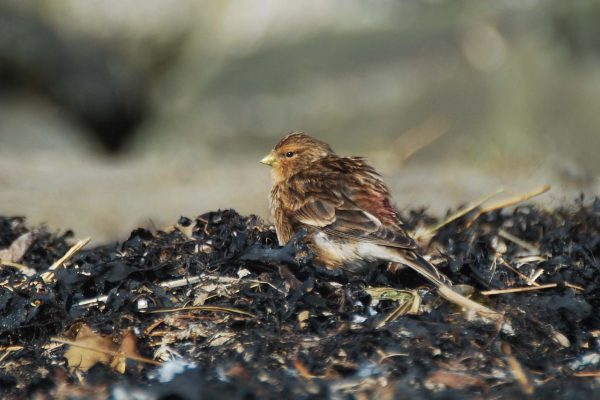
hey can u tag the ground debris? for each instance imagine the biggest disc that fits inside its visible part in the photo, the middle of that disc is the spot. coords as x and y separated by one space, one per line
212 308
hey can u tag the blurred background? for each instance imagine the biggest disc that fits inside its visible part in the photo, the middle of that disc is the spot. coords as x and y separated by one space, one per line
118 114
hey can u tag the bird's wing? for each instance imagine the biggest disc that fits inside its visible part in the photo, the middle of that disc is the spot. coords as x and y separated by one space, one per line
338 205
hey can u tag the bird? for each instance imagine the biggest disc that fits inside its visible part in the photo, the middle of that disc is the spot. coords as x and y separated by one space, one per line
346 210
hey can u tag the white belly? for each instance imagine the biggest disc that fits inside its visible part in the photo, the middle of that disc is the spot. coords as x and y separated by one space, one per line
356 258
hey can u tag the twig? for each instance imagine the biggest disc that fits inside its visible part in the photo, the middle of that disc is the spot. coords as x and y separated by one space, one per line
585 374
385 356
410 306
449 294
576 287
519 273
70 253
518 289
536 275
175 283
47 276
109 352
518 241
11 348
517 370
303 371
8 350
462 212
204 308
420 136
511 201
93 301
535 259
180 282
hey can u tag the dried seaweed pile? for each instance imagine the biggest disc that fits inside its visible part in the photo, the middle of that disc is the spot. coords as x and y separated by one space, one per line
231 315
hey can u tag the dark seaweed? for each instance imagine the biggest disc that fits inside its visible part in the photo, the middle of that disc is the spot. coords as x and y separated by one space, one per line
339 349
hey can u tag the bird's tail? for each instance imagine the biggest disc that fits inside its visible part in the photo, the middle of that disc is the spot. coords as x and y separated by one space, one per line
442 283
422 266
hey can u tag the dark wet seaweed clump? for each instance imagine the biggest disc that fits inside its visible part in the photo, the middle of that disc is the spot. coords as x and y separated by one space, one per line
251 320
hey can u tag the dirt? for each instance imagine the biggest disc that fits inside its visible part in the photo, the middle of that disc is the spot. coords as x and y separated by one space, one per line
215 308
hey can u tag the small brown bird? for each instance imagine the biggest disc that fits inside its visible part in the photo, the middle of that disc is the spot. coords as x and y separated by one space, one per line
346 209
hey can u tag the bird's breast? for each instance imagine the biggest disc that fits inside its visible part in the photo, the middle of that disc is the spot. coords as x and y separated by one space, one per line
283 226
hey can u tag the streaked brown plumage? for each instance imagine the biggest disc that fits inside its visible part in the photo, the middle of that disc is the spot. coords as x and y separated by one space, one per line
346 209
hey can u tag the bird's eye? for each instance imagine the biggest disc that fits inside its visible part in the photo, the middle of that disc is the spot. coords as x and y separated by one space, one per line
289 154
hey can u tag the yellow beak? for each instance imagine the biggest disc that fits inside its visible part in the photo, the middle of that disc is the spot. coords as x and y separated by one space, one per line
269 159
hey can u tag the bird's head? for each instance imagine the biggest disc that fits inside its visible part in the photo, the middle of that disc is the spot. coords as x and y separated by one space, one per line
294 153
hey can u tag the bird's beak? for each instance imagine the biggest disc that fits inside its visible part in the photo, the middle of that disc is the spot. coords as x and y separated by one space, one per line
269 159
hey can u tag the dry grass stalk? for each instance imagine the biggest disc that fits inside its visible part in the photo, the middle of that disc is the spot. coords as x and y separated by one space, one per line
576 287
231 310
536 275
518 289
511 201
76 248
518 241
173 284
408 306
460 213
586 374
519 373
303 371
449 294
417 138
516 271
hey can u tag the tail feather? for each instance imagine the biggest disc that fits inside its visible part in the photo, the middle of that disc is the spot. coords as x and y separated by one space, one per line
443 283
422 266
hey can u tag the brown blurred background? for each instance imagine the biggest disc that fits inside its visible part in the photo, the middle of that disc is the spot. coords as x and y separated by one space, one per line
117 114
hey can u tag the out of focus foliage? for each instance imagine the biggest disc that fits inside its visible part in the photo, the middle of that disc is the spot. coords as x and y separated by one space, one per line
511 79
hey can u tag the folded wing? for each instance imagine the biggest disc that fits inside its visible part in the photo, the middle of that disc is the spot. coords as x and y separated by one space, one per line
356 206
